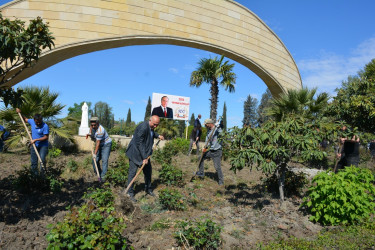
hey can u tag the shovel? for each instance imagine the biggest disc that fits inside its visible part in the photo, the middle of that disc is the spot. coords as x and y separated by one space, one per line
96 166
36 151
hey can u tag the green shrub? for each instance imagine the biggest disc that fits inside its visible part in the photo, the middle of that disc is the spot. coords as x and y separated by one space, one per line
118 174
27 181
200 234
343 198
171 199
101 197
72 165
171 175
94 225
170 149
88 227
115 145
54 152
294 183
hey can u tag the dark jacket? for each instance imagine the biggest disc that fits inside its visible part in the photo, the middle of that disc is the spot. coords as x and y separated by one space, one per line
197 122
140 147
159 112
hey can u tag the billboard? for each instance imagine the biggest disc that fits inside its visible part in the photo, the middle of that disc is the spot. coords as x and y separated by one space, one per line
170 106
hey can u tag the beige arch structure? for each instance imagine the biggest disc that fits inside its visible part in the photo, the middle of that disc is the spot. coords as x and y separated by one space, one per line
220 26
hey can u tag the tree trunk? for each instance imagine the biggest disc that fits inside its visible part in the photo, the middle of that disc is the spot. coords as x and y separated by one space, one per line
214 91
281 179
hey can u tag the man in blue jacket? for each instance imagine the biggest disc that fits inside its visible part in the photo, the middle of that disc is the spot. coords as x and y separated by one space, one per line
138 151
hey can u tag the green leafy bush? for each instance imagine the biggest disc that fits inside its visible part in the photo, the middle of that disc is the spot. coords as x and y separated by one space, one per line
26 180
343 198
170 149
54 152
294 183
115 145
102 197
200 234
117 175
171 199
72 165
171 175
94 225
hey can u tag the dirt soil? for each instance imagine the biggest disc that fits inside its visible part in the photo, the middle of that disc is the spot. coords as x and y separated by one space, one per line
248 215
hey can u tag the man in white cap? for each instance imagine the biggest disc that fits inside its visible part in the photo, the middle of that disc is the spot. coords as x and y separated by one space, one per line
213 150
103 144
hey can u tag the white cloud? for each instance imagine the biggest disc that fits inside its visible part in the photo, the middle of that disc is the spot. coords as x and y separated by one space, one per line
174 70
144 101
328 70
128 102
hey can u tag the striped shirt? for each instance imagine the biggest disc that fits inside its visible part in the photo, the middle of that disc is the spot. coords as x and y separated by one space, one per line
102 136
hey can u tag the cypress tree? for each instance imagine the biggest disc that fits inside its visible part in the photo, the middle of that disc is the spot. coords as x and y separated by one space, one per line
249 111
263 105
192 120
148 109
128 118
225 117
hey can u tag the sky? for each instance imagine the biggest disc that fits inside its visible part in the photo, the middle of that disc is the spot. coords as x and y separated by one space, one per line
329 40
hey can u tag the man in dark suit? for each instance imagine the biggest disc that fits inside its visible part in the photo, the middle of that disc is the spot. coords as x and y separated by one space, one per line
197 121
138 151
163 110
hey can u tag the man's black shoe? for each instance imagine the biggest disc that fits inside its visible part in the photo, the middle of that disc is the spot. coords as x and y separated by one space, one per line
132 198
150 193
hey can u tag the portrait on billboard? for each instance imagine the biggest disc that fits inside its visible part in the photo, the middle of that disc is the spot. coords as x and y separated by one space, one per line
170 106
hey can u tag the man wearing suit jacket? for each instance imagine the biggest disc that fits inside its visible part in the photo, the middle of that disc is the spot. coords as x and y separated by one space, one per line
163 110
138 151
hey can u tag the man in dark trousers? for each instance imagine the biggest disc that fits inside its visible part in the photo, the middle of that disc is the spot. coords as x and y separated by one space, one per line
39 134
213 150
163 110
138 151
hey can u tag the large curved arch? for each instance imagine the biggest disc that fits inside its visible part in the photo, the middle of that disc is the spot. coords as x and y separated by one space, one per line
220 26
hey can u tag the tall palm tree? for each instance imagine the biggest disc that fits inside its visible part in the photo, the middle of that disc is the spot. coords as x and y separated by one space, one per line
214 71
300 102
37 100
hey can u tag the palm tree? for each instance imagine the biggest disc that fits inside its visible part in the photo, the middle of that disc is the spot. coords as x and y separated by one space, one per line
214 71
36 101
168 128
300 102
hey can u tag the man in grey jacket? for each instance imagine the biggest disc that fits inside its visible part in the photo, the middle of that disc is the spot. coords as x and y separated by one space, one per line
138 151
213 150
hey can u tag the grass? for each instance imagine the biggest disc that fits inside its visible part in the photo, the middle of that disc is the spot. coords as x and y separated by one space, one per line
350 237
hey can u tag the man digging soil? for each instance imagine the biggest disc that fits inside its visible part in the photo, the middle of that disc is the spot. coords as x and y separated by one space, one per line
139 152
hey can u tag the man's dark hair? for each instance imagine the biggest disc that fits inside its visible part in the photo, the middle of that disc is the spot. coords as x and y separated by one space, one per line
163 97
38 117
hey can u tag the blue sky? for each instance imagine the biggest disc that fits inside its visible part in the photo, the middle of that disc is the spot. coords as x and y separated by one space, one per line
329 40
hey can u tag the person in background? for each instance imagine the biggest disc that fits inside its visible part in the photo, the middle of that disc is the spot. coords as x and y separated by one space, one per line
194 138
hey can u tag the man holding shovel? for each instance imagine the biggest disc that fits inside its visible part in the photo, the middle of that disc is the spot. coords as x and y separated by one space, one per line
212 150
103 144
39 135
139 152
